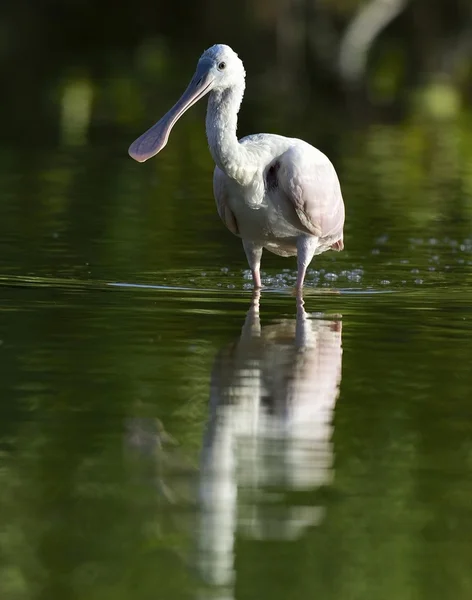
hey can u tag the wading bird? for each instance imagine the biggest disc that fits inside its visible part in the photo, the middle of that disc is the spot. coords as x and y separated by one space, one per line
273 192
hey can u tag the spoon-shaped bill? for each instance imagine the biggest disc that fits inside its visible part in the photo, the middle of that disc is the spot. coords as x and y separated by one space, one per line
154 139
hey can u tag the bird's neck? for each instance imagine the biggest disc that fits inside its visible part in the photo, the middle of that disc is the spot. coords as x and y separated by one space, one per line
221 126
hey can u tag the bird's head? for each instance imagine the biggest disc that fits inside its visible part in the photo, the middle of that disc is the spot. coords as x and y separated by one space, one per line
222 66
219 68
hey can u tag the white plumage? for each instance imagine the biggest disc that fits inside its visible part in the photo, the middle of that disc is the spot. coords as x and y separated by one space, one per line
273 192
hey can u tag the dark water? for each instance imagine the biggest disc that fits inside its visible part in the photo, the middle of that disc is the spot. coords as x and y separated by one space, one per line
161 437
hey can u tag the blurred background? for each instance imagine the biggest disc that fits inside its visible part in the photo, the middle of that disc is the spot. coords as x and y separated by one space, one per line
383 87
105 386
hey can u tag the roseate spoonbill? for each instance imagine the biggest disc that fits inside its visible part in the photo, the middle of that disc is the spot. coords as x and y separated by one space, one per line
273 192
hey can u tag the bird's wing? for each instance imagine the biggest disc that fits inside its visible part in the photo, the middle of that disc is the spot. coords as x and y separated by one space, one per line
220 191
309 180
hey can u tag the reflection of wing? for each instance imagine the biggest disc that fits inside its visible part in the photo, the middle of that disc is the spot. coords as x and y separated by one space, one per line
220 191
302 384
270 424
298 375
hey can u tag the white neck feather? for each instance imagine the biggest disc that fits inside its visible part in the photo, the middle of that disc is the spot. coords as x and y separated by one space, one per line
221 125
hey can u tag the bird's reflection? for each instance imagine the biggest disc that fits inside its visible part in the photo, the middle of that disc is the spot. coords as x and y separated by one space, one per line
273 392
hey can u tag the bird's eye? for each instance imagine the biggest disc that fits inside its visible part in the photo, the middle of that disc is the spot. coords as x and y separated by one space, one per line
222 66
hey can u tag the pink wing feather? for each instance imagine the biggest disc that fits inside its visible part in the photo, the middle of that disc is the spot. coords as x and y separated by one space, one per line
310 182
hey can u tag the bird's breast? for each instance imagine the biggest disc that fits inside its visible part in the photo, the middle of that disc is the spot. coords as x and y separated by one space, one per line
264 216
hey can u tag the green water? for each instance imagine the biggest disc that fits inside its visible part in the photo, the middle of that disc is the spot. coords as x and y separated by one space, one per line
160 439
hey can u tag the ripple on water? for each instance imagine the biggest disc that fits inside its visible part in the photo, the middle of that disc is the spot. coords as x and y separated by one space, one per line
428 262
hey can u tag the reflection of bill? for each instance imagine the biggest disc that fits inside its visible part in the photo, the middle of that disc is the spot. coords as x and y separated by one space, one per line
273 393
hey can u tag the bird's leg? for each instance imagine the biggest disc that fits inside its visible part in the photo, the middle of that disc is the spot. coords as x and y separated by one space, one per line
252 324
303 326
306 247
254 255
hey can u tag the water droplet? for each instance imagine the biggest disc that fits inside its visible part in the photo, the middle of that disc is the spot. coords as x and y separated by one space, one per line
375 251
224 269
331 276
418 281
385 282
